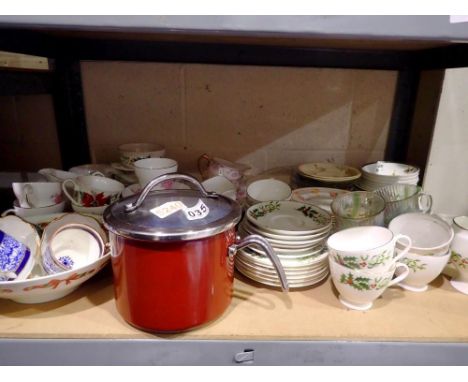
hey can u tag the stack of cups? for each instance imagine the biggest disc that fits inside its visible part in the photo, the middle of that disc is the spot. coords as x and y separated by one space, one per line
37 198
430 250
363 262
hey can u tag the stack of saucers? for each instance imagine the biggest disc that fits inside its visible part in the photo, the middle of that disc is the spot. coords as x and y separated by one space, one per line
380 174
297 232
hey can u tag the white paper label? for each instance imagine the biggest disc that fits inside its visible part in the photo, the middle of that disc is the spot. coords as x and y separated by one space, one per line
166 209
198 211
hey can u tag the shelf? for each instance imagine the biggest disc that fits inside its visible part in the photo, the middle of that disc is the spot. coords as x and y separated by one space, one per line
435 28
306 326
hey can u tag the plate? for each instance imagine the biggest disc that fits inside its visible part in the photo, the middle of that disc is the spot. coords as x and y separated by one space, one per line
285 217
329 172
254 257
288 238
318 196
122 167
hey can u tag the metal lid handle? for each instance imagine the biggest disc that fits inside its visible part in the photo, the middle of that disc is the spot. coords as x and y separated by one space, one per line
130 207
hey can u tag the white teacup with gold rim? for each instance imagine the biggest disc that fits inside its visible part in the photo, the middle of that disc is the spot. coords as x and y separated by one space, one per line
367 248
359 289
37 194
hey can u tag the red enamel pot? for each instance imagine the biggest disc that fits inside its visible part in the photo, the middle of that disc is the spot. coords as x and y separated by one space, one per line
173 255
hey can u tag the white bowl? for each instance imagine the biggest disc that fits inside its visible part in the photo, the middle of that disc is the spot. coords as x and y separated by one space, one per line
52 287
267 189
430 234
88 210
220 185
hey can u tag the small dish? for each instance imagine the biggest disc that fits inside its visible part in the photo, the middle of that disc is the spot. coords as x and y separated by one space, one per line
267 189
27 212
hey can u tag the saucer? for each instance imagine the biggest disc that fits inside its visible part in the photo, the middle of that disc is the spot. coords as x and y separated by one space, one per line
122 167
461 286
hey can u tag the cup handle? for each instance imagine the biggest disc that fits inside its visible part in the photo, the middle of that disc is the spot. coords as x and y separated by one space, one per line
7 212
401 277
266 246
28 192
202 170
65 191
425 203
98 173
406 249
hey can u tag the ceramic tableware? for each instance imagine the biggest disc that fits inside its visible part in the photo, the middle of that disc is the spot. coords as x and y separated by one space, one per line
329 172
267 189
220 185
319 196
423 270
43 288
359 289
290 218
459 254
430 234
99 169
371 249
98 211
148 169
381 174
131 152
403 198
358 208
27 212
212 166
92 191
37 194
54 175
18 248
71 246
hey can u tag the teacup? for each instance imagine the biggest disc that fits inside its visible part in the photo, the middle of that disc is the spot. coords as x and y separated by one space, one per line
423 270
370 249
459 254
358 288
93 191
37 194
217 166
220 185
358 208
16 260
70 247
431 236
148 169
403 198
131 152
267 189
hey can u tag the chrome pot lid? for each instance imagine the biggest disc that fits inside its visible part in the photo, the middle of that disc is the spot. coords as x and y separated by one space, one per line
172 215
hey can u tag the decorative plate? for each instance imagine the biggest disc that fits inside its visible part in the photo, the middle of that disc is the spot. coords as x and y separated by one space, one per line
318 196
285 217
329 172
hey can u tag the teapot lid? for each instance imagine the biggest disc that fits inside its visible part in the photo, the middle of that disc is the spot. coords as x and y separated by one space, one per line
172 215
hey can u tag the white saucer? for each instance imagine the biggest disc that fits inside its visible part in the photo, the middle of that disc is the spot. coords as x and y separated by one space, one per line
461 286
122 167
353 306
413 288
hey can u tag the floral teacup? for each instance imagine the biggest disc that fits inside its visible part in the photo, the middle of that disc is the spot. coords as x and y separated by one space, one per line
359 289
370 248
93 191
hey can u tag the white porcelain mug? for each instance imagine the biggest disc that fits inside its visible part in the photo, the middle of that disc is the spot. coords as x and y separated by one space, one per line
148 169
367 248
92 190
37 194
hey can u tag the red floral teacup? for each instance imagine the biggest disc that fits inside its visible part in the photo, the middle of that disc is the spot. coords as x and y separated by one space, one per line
92 191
